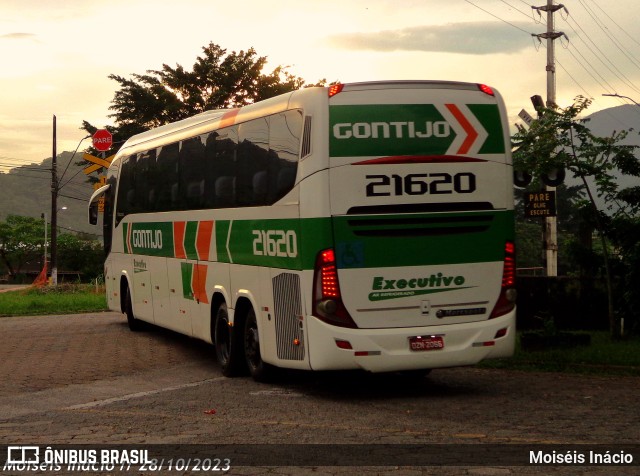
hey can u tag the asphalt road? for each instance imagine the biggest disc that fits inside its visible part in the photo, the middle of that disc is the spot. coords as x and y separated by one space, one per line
86 379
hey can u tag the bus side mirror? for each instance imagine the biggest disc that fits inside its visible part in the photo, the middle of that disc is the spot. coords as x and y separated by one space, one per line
93 213
93 204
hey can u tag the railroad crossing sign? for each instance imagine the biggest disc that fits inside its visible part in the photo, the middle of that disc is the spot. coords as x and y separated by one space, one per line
97 162
102 140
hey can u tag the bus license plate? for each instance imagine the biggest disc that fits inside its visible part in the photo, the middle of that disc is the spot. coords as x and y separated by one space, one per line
422 343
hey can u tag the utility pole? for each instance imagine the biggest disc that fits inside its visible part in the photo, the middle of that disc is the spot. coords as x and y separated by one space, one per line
54 210
551 223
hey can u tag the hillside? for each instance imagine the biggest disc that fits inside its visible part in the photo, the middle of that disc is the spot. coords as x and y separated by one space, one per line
26 191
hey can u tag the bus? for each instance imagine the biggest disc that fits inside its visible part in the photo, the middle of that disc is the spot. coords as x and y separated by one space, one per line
356 226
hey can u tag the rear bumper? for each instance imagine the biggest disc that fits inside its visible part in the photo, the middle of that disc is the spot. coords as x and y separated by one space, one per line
385 350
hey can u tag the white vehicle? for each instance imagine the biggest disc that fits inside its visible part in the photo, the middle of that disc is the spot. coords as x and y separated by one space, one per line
360 226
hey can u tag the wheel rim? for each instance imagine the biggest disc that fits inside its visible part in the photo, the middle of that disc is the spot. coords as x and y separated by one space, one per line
223 340
252 344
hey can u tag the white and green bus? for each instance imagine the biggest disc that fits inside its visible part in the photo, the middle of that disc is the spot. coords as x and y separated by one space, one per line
359 226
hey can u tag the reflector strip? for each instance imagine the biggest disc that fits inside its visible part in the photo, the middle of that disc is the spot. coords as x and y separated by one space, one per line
417 159
343 344
489 343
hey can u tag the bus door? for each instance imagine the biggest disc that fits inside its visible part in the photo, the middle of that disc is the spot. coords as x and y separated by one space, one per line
421 202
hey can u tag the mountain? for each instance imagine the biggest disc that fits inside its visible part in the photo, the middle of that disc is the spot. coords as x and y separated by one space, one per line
604 123
26 191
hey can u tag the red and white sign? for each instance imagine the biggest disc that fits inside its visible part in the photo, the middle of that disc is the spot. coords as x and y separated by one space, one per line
102 140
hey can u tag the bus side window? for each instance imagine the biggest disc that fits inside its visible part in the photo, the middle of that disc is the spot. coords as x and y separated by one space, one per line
191 161
285 130
253 150
125 189
223 169
167 177
145 174
207 169
109 202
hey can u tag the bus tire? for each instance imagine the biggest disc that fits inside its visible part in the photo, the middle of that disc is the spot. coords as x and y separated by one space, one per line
259 370
136 325
227 345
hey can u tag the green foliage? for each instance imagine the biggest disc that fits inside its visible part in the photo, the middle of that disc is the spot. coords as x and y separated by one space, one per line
561 140
62 299
77 254
603 356
21 240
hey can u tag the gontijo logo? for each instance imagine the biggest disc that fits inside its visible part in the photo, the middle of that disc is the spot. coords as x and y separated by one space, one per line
387 130
415 129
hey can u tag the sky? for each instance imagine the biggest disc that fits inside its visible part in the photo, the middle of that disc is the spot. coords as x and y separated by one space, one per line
57 55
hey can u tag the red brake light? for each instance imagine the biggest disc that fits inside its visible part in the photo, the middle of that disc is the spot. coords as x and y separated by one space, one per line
486 89
509 273
335 89
507 299
327 300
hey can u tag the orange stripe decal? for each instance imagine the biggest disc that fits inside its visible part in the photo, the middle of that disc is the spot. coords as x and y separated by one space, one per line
178 239
199 283
229 118
203 239
472 134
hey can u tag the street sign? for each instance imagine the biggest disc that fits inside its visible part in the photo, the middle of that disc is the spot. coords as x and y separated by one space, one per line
102 140
97 162
540 204
526 117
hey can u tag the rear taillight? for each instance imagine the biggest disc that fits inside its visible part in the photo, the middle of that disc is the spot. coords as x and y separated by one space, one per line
335 89
486 89
507 299
327 301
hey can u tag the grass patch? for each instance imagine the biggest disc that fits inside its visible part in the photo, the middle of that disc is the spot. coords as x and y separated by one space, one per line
603 356
62 299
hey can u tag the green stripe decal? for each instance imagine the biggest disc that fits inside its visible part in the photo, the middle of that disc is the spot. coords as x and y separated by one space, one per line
429 239
190 240
187 277
364 241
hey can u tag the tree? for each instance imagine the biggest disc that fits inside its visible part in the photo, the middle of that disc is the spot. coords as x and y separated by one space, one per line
217 80
21 241
86 256
561 139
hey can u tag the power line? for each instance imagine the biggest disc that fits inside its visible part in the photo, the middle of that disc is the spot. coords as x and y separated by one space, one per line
609 35
616 24
517 9
497 17
73 198
601 55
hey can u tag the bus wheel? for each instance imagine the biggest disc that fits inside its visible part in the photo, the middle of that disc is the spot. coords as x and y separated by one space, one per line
228 349
259 370
135 325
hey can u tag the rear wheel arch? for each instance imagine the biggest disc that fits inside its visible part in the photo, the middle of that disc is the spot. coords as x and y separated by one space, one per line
246 323
125 289
217 300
